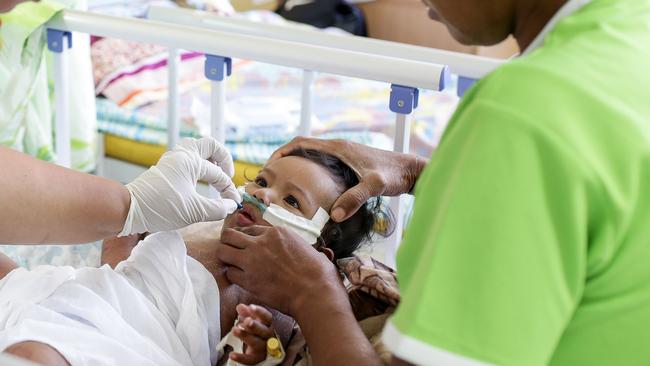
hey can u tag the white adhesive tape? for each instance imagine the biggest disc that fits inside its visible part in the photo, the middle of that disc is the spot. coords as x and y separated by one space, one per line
309 230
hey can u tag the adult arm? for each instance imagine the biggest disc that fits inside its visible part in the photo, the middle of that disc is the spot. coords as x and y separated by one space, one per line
277 267
45 203
380 172
332 332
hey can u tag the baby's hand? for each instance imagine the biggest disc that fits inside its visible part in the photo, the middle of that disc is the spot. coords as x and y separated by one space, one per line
254 328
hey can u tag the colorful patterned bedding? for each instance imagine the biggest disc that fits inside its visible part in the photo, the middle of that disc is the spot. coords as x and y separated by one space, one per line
263 107
263 101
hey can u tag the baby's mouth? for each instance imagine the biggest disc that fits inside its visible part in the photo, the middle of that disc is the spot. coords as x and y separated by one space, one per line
247 216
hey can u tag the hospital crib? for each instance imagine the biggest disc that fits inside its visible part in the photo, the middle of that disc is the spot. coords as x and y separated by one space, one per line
404 68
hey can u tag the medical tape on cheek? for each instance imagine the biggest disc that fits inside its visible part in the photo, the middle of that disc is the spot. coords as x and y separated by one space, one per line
308 230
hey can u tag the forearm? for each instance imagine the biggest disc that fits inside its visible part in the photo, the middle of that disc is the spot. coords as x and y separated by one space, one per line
45 203
332 332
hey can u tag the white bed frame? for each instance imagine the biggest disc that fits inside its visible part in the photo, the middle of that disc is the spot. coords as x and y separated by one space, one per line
406 68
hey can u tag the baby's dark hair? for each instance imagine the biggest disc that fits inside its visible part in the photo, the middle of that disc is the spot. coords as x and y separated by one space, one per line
345 237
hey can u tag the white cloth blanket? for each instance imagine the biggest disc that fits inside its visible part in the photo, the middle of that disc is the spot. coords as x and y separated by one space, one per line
158 307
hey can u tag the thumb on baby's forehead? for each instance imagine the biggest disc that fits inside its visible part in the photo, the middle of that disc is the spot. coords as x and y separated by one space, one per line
350 202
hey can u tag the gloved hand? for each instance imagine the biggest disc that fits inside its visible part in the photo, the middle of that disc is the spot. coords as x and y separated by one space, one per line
165 198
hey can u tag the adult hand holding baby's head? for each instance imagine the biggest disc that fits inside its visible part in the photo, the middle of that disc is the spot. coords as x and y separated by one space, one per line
380 172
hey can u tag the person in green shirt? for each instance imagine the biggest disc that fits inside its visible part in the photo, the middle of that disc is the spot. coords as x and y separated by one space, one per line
529 242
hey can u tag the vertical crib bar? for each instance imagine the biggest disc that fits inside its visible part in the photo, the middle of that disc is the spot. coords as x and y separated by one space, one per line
216 69
403 100
173 123
401 144
58 43
402 133
306 103
218 107
217 117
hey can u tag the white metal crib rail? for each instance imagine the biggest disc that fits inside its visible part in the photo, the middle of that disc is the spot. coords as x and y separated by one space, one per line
405 67
469 66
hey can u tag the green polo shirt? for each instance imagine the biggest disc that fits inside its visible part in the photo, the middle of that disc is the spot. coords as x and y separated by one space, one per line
530 238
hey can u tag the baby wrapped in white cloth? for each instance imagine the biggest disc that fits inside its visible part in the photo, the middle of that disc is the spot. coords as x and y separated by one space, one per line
158 307
162 307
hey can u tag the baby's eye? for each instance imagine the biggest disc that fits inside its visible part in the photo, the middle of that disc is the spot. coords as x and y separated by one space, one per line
260 181
292 201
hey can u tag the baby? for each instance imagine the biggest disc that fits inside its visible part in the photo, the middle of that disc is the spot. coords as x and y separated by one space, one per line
167 301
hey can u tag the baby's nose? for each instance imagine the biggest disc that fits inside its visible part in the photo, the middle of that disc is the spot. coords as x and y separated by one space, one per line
264 196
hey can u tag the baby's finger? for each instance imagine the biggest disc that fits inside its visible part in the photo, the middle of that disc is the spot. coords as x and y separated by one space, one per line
255 327
262 314
254 344
244 311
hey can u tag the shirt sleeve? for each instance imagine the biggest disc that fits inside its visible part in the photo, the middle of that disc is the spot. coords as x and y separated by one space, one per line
493 261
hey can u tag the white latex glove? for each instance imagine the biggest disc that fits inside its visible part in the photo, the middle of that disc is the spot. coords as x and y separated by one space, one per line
165 198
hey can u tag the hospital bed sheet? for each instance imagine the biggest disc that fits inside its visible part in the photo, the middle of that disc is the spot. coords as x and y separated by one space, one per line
30 256
246 153
262 111
263 106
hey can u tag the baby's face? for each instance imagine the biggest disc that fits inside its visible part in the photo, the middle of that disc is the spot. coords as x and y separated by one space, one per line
294 183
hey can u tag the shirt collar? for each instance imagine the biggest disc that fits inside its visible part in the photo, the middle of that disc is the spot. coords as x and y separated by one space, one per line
567 9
